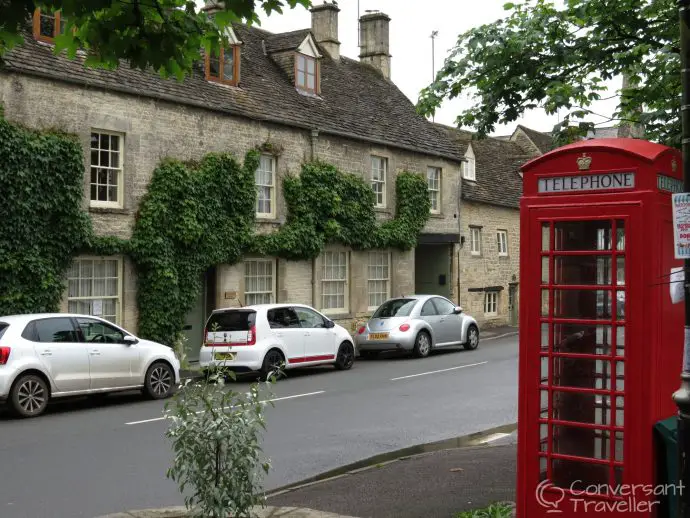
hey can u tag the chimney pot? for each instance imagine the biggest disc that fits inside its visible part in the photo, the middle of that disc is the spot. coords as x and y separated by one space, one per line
374 41
324 26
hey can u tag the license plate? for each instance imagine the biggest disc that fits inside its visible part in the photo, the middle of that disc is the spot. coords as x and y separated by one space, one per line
378 336
224 356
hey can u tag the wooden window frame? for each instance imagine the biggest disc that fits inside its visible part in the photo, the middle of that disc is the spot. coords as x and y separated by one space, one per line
502 241
120 277
491 303
478 241
377 255
221 64
273 264
436 171
344 281
383 182
37 27
272 187
305 88
119 171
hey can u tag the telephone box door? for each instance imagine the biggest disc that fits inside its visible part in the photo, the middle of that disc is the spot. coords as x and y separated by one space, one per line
580 343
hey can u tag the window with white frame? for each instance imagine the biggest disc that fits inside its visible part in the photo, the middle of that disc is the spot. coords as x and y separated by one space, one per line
433 178
265 183
106 169
379 171
502 239
491 303
468 167
475 240
259 285
379 278
334 281
94 288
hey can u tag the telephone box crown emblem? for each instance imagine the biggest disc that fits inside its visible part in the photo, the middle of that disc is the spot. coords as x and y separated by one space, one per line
584 162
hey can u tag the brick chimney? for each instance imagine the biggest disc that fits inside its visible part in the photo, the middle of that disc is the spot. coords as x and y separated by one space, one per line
373 42
324 25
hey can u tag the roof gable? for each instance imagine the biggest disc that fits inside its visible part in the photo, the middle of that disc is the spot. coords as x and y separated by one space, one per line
308 47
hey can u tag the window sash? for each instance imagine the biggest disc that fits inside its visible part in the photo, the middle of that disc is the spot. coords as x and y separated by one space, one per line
259 282
54 22
90 280
379 171
468 169
223 66
433 177
106 168
378 278
475 241
334 281
305 72
264 179
502 237
491 303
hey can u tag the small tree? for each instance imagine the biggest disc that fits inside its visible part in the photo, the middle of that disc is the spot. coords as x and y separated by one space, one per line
215 433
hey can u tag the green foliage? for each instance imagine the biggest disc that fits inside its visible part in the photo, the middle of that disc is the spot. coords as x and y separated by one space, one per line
493 511
43 224
557 58
215 434
163 35
325 205
193 216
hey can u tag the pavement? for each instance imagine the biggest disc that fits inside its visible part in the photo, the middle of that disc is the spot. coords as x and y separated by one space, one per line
116 453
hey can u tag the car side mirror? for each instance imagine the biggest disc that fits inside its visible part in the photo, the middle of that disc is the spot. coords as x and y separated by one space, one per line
457 310
129 340
330 324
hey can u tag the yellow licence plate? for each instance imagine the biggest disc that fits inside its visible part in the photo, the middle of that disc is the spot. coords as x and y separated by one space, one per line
224 356
378 336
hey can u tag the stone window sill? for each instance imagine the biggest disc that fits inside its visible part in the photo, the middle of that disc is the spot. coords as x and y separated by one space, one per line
436 215
108 210
383 210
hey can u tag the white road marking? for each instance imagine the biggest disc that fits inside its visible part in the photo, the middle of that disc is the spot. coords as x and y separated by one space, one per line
494 437
436 372
264 402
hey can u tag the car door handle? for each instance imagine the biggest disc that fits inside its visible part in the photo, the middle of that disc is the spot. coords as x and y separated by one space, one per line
95 352
442 320
47 352
279 334
307 333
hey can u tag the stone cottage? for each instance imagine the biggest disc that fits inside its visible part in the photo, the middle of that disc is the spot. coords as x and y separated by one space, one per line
293 90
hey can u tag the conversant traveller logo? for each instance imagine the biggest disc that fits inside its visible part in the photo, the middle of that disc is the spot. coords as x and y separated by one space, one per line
623 498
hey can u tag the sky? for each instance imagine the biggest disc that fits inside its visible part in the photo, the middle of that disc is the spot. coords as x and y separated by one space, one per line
412 23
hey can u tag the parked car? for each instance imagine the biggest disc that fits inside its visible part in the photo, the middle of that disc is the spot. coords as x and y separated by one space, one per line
418 323
263 337
53 355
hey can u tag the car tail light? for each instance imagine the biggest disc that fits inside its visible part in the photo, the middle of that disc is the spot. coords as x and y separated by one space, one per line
4 355
251 336
404 327
360 330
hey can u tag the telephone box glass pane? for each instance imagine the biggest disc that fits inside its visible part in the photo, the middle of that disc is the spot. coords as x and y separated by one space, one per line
545 270
545 237
582 339
583 304
581 407
620 376
620 233
544 404
620 271
543 463
588 269
620 341
564 472
581 373
620 412
545 370
620 305
545 303
583 235
544 337
543 437
582 442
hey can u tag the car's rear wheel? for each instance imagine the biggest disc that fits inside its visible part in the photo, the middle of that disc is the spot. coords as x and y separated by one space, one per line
29 396
272 365
346 357
160 381
422 345
472 341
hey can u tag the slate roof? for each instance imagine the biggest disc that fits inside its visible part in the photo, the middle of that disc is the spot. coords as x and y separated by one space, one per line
497 166
543 141
356 101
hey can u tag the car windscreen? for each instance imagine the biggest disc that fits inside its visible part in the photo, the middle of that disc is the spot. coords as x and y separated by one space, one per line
228 321
3 328
395 308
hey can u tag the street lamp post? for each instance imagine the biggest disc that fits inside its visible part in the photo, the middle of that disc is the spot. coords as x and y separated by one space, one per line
682 395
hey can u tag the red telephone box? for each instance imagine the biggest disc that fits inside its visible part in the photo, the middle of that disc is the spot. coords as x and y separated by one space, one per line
601 342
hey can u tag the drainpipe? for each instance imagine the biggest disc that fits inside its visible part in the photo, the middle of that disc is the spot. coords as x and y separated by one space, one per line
314 139
459 207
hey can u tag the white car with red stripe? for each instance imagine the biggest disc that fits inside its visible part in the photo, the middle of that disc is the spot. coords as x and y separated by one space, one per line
262 337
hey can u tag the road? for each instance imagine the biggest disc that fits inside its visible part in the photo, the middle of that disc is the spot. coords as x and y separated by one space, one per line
84 459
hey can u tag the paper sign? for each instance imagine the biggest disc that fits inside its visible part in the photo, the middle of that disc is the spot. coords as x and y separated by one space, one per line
677 285
97 307
681 225
686 350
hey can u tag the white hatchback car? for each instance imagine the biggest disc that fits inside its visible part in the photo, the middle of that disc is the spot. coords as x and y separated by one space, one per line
53 355
265 336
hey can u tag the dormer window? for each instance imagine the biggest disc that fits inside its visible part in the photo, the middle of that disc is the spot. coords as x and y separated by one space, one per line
47 26
307 67
305 73
224 66
468 167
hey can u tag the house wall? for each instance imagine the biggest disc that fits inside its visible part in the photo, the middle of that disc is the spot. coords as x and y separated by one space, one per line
153 130
488 269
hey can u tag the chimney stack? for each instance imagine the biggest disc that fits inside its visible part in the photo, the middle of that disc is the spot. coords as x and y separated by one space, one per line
324 25
374 46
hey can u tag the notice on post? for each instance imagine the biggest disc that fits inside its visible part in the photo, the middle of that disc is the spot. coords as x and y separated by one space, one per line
681 225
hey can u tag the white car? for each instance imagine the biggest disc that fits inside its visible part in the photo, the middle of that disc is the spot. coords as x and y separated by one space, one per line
262 337
53 355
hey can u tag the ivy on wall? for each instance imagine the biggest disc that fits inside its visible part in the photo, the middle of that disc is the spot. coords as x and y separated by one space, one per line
193 216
